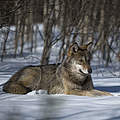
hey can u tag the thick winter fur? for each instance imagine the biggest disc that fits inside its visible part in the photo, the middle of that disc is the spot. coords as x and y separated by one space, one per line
70 77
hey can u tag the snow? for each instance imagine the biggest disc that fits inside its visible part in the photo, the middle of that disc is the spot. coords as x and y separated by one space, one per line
38 105
41 106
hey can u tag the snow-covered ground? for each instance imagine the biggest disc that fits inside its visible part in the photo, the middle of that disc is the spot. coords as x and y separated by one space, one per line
61 107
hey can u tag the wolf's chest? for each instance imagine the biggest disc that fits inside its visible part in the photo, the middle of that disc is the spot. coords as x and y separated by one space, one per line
77 78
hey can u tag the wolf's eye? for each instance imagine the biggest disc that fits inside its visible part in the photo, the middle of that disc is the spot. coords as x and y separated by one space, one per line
80 60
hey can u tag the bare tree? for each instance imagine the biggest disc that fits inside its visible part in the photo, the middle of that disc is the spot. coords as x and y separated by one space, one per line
80 20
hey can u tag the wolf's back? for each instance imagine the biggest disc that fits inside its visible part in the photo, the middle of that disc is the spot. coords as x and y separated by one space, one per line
33 78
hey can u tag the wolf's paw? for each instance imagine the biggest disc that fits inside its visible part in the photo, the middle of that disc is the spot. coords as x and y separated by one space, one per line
100 93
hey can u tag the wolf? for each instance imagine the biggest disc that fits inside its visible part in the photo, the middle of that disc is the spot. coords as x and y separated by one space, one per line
71 77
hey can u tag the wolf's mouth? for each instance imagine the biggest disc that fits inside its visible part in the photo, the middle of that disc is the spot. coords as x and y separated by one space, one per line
81 71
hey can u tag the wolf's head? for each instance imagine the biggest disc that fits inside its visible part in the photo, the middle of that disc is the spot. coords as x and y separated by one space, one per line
79 57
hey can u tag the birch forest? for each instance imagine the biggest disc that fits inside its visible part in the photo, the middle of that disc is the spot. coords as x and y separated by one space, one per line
63 21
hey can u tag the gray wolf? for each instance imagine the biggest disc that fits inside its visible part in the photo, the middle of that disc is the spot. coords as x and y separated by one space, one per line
71 77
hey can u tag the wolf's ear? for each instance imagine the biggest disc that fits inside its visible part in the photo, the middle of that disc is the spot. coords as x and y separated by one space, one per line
86 46
73 49
89 45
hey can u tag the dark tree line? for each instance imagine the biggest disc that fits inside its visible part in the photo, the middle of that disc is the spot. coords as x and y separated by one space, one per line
77 20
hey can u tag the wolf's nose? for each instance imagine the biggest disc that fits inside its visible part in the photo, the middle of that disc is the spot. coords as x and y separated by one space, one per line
90 70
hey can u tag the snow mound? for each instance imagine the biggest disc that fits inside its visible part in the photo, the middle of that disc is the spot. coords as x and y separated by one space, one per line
37 92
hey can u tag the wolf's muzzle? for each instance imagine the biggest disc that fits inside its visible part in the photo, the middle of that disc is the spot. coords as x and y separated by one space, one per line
89 70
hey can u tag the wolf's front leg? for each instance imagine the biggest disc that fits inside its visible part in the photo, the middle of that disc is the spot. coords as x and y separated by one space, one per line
100 93
92 93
